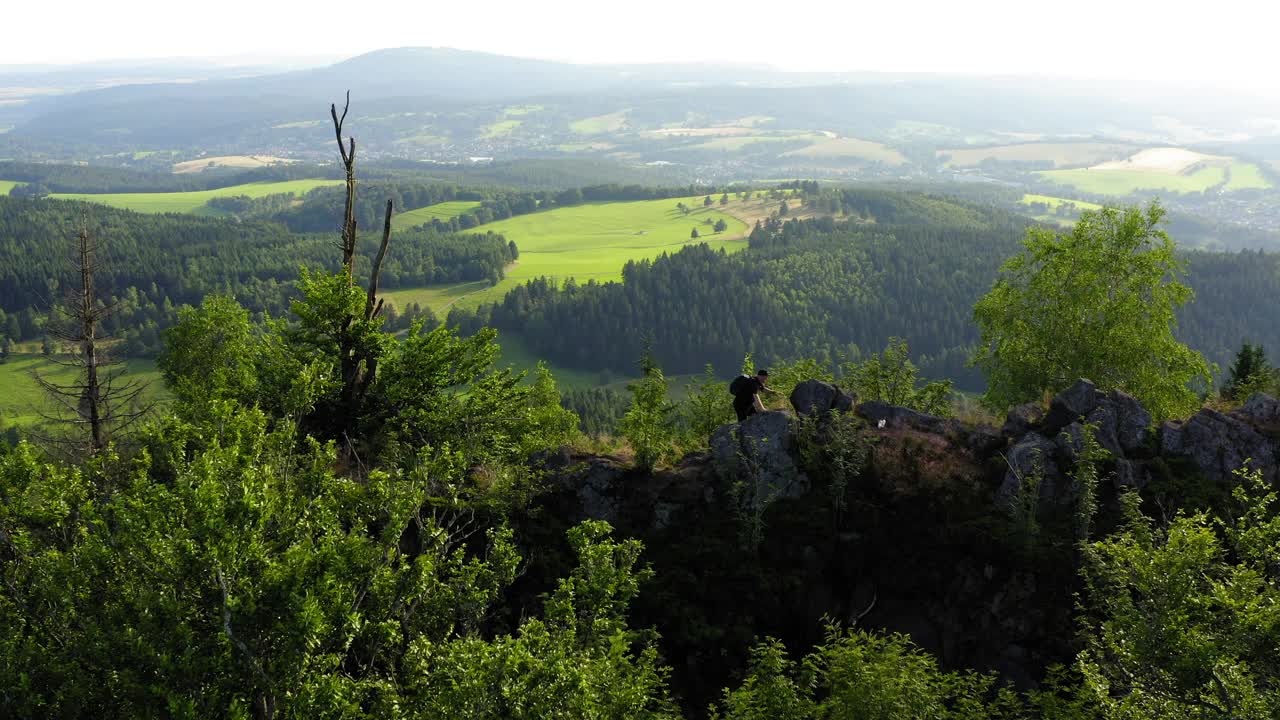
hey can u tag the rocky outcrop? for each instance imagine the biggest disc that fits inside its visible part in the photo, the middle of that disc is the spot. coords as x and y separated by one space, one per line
1217 444
815 397
760 450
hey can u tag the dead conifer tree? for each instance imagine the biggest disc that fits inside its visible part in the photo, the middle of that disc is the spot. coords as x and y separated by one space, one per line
359 362
99 403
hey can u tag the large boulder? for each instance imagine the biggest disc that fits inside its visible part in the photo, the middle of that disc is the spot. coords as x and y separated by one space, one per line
1262 412
1070 405
1217 444
883 415
760 449
1022 419
1123 426
1031 452
815 397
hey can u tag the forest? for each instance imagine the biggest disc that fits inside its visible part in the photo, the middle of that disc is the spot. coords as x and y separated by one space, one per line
888 264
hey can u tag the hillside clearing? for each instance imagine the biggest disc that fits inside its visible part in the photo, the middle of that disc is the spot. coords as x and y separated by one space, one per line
194 202
599 124
499 129
440 211
590 242
1244 176
6 186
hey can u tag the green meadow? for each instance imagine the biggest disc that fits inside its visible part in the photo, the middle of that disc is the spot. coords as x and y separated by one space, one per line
439 211
612 122
587 242
1244 176
24 402
1125 182
1054 202
6 186
194 202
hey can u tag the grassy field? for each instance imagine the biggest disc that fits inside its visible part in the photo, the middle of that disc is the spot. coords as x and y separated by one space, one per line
1054 202
437 297
1244 176
22 400
1124 182
439 211
500 129
194 202
587 242
1060 154
612 122
6 186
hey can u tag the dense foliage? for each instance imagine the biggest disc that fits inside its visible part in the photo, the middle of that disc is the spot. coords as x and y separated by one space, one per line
1097 302
151 264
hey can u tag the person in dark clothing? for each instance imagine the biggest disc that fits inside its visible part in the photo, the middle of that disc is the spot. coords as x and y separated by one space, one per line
746 393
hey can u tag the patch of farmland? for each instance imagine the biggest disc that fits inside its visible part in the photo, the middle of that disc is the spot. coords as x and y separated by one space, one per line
6 186
850 148
194 202
1062 155
1125 182
1171 160
228 161
440 211
599 124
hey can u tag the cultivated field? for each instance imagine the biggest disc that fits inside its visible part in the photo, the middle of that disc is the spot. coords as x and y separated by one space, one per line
742 142
23 401
850 148
6 186
1062 155
194 202
1169 160
228 161
590 242
1054 202
439 211
1124 182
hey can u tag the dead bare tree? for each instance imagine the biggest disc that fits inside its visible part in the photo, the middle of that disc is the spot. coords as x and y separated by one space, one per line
99 403
359 362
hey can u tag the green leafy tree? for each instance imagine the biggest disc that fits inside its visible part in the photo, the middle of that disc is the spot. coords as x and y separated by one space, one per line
891 377
648 425
211 353
1097 302
707 406
1180 622
858 675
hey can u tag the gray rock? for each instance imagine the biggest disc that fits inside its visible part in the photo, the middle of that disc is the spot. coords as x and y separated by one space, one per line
1217 445
1133 422
1023 458
894 416
1070 405
760 448
1260 410
1129 474
819 398
1022 419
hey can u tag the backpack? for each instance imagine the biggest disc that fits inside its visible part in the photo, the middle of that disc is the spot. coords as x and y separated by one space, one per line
741 386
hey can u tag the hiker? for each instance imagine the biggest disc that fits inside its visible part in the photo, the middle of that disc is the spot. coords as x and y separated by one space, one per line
746 393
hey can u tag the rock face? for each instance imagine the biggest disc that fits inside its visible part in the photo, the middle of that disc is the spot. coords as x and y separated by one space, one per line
1031 452
815 397
760 449
1217 444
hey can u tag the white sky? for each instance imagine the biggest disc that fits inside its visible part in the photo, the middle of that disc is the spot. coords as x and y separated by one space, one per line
1227 43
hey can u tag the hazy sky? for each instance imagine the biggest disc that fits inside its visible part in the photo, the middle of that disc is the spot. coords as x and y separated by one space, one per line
1227 43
